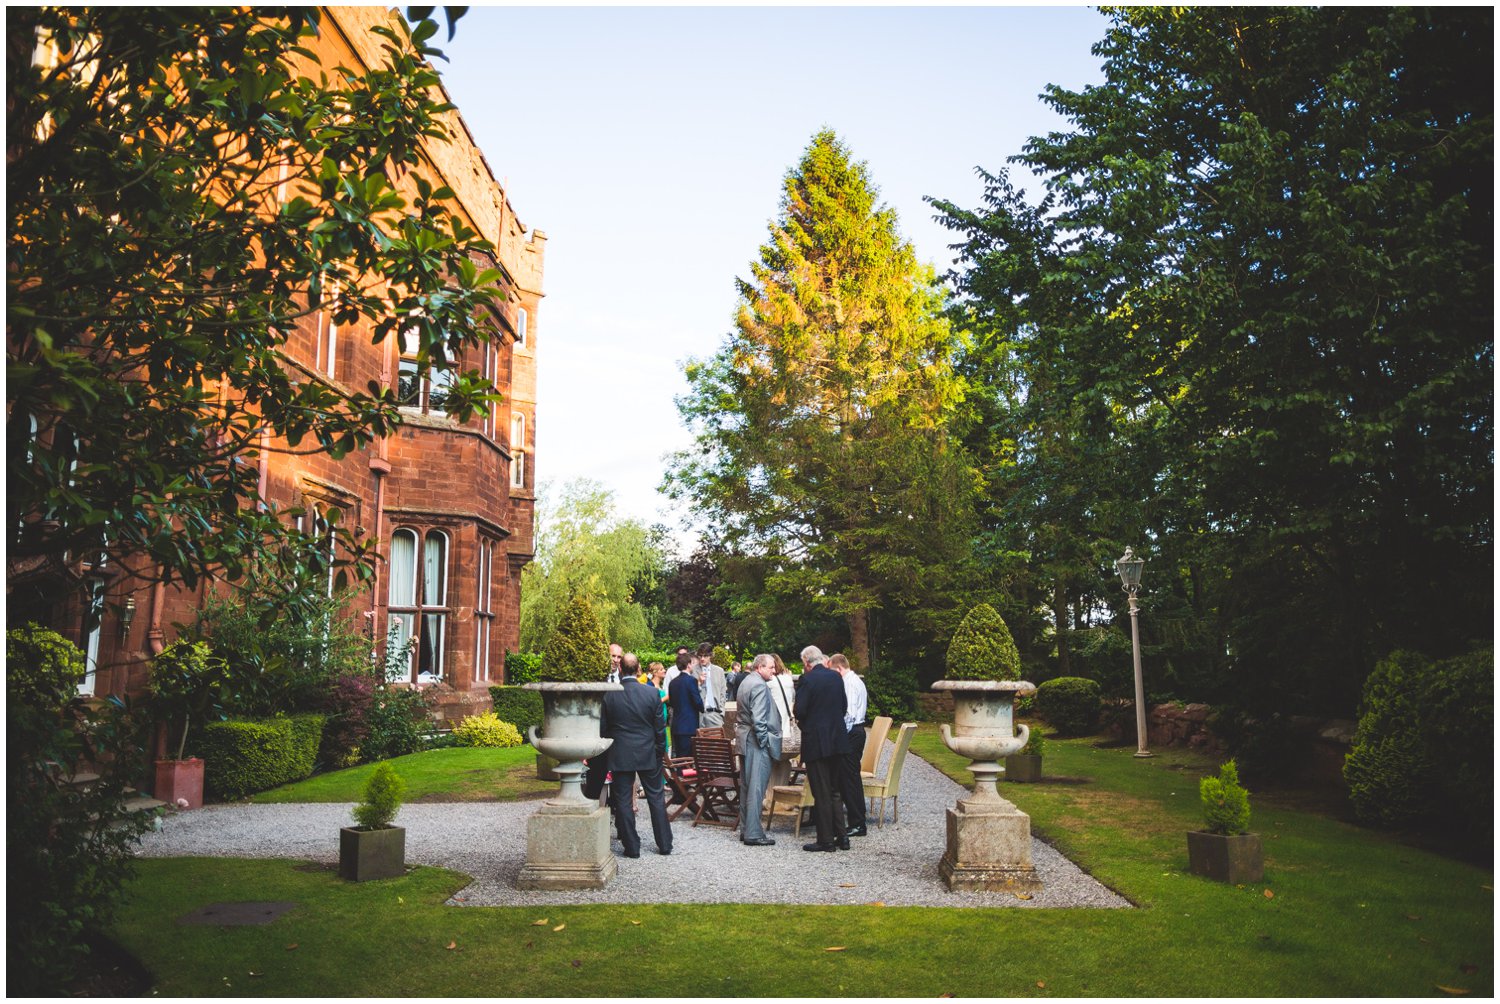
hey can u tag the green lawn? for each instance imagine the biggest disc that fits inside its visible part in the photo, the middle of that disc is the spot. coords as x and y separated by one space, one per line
1350 912
448 775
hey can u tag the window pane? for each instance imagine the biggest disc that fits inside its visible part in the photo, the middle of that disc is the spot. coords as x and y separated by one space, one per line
430 648
409 385
441 381
435 571
398 637
403 591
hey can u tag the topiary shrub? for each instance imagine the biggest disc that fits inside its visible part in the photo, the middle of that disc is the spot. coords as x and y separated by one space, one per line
1035 742
1423 750
892 691
382 799
522 708
487 730
982 648
1070 704
243 756
68 848
1226 805
577 652
522 667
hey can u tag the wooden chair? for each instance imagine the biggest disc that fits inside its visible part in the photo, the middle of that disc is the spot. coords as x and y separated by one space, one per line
717 786
874 743
710 732
679 775
890 785
793 798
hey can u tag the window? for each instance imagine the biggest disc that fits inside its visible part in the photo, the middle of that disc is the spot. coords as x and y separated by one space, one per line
518 451
491 355
92 618
412 390
419 602
484 614
521 326
328 342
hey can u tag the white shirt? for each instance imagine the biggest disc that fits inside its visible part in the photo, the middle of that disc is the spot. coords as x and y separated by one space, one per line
672 673
858 698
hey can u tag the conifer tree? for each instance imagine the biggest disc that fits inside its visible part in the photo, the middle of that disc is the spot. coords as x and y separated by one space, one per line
821 424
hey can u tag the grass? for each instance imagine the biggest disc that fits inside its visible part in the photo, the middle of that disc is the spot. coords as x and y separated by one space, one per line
447 775
1350 912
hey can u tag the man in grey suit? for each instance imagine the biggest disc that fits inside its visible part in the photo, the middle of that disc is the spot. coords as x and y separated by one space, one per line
715 693
758 729
632 718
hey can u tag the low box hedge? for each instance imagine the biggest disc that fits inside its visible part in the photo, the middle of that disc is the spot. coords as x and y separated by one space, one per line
243 756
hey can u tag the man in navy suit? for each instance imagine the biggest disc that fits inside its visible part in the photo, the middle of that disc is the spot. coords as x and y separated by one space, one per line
632 718
820 707
686 702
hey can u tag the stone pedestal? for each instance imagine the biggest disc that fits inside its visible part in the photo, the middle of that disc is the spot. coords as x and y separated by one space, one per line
567 847
989 848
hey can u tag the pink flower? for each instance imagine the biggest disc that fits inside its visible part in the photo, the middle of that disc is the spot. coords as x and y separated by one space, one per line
182 803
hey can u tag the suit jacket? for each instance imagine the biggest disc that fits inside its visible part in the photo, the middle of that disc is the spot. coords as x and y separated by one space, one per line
686 703
758 719
713 679
819 708
632 718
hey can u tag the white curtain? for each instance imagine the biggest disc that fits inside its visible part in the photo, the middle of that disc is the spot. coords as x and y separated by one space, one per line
403 592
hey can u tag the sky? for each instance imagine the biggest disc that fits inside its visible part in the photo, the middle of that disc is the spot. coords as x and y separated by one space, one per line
650 145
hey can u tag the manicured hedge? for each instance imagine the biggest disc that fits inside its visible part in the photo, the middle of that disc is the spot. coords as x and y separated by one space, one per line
524 667
1424 751
522 708
243 756
1070 704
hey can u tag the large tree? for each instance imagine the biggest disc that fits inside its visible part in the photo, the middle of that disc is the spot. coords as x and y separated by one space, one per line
1266 256
821 425
583 549
182 188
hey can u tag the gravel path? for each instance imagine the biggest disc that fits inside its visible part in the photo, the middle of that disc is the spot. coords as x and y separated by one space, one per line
896 864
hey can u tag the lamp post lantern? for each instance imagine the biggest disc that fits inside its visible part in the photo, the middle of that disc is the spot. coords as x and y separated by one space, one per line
1129 567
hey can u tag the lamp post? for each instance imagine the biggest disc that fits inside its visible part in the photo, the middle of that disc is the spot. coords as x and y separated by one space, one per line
1129 567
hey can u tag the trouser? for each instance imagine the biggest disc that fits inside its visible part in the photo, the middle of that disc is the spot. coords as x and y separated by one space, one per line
828 808
682 744
710 718
851 785
755 774
621 785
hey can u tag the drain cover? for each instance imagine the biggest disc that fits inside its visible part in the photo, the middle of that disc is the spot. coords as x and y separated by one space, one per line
235 914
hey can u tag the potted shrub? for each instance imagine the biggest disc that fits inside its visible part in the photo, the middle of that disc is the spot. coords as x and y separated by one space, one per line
1225 850
1026 766
572 698
981 674
187 686
374 848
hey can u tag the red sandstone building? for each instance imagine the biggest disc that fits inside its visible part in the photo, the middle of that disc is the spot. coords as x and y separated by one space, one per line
449 504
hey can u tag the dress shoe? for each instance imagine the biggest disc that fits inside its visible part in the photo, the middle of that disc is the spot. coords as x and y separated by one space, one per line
843 844
632 854
759 842
820 847
857 831
664 850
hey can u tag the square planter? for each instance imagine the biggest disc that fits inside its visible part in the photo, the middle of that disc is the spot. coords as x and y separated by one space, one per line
372 854
1234 859
180 779
1024 768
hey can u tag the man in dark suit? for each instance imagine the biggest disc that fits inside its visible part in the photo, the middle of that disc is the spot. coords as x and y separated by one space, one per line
820 707
686 702
632 718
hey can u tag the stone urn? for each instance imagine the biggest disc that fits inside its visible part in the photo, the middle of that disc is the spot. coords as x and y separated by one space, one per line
989 839
567 838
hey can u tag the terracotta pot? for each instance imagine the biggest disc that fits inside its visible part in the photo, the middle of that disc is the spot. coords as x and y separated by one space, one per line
1233 858
1023 768
372 854
180 779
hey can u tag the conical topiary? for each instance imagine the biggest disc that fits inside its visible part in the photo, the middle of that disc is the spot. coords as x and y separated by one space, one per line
577 652
982 648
